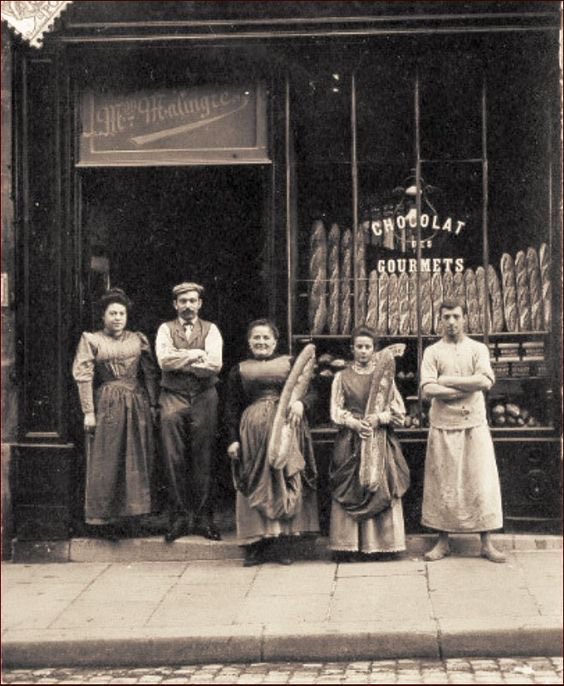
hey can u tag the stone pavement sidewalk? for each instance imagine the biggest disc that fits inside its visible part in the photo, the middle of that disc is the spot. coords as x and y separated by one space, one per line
158 613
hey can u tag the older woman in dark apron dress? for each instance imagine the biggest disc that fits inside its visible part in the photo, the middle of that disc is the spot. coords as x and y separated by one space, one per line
272 504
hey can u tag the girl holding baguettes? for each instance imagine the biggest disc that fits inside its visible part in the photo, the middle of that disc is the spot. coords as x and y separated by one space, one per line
368 474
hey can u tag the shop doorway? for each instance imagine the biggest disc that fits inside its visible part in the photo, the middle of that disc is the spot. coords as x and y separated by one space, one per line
147 229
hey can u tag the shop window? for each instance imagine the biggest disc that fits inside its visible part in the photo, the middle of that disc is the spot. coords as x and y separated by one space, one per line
411 185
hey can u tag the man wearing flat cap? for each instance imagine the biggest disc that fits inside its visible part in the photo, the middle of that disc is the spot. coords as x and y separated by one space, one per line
189 352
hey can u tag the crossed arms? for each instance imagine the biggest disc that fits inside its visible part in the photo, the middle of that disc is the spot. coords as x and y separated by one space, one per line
454 387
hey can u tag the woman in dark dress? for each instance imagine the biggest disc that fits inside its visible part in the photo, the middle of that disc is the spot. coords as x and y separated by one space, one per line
117 381
271 503
367 482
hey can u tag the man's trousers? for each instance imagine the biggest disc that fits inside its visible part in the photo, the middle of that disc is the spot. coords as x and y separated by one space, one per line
188 436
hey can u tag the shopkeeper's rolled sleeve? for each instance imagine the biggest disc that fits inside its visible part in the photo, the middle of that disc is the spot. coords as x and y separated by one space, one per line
483 364
429 368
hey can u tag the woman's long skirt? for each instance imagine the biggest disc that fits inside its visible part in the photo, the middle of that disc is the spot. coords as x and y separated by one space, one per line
252 524
118 470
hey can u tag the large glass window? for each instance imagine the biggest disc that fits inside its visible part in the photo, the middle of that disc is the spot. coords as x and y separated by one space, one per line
416 179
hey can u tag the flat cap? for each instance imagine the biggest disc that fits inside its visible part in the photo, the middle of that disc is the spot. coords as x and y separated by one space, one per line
187 286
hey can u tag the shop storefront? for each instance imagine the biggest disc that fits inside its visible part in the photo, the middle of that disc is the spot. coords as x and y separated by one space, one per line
325 164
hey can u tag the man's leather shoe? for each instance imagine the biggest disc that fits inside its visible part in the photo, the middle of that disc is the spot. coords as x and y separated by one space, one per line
284 560
177 529
253 557
209 532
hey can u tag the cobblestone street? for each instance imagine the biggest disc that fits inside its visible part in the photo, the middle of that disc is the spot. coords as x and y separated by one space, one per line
537 670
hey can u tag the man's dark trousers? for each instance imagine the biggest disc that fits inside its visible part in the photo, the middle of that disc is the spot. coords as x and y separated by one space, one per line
188 436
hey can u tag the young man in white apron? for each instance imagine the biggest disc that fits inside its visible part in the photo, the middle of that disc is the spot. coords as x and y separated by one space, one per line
461 492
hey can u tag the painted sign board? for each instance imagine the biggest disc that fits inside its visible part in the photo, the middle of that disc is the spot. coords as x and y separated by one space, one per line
211 124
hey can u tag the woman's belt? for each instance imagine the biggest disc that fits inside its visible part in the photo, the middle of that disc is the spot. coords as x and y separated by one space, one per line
129 384
268 396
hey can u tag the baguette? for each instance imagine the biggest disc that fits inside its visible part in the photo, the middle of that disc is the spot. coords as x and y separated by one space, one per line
345 317
334 273
448 285
522 288
426 304
509 292
535 289
360 249
544 262
472 303
317 313
383 292
404 298
413 324
393 305
495 299
459 288
372 304
437 299
483 304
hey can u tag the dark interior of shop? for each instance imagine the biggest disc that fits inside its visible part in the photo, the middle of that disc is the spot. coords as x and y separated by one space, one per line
163 225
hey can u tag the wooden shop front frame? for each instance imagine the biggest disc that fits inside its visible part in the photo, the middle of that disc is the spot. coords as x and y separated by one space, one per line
284 44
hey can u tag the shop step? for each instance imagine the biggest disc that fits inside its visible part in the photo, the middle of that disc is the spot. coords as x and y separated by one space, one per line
190 548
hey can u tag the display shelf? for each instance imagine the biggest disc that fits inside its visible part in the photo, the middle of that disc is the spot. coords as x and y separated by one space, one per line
519 430
503 379
423 431
517 334
303 337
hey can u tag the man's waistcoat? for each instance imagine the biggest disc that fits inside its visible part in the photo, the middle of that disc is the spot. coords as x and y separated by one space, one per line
185 382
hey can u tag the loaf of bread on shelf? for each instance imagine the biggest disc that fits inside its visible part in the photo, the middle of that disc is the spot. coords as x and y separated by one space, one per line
345 311
403 297
383 292
426 304
458 286
544 263
334 269
372 303
522 288
360 248
482 299
495 299
535 289
393 305
472 303
437 299
509 292
413 325
317 313
448 285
